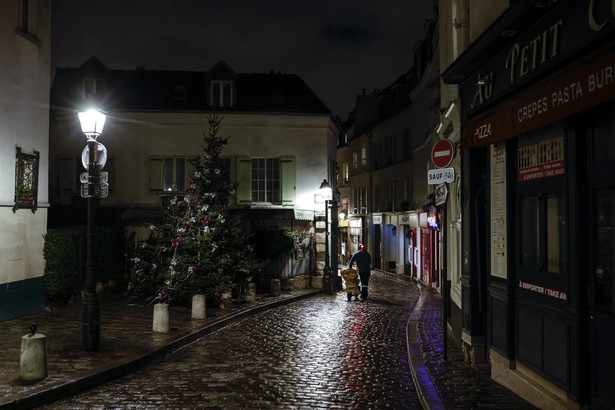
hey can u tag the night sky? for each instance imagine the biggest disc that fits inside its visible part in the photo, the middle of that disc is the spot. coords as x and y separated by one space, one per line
338 47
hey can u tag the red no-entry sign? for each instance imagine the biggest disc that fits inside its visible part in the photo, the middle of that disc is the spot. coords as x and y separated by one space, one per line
442 153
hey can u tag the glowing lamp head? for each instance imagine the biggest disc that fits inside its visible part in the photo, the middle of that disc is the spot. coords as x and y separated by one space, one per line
92 123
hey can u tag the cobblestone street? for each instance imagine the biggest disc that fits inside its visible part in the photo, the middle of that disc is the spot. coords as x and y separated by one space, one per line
321 352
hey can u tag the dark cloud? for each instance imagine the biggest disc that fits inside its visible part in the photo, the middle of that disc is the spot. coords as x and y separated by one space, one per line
337 46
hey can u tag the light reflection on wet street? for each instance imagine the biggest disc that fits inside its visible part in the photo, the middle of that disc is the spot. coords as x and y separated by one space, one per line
321 352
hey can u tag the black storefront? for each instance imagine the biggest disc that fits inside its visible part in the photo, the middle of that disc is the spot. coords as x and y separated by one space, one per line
538 170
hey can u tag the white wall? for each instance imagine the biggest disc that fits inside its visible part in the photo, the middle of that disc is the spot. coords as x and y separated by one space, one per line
131 138
24 122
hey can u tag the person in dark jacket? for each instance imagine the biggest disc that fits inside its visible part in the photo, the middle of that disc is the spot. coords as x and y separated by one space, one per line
363 260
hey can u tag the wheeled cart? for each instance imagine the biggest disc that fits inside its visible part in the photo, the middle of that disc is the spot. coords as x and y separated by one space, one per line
350 281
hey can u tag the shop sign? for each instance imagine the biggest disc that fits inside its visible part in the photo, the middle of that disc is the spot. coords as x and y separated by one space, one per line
554 38
377 219
540 160
543 290
584 88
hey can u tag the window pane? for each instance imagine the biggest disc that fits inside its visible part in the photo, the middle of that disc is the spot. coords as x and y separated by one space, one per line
215 94
604 227
226 95
603 142
529 231
180 174
556 255
168 174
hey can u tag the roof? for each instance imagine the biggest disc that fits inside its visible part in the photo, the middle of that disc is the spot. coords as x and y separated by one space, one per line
158 90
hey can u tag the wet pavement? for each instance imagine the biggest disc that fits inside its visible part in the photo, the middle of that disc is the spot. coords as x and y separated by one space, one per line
319 351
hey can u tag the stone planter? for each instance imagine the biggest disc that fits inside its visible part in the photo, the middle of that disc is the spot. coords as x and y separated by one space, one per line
198 307
161 318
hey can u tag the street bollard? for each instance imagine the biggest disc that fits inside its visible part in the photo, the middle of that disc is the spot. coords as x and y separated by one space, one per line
198 307
276 287
161 318
33 359
251 293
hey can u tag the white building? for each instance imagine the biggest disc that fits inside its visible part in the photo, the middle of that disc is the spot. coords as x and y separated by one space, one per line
24 132
281 146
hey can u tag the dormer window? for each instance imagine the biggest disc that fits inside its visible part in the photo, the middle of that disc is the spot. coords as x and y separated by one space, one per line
222 94
94 89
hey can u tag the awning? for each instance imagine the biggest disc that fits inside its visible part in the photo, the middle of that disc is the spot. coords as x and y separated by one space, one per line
556 97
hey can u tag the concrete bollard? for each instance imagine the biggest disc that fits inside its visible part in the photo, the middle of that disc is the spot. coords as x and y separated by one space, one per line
33 360
227 301
198 307
161 318
276 287
251 293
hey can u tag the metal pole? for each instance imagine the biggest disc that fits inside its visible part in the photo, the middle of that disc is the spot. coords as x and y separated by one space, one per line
90 324
445 284
327 270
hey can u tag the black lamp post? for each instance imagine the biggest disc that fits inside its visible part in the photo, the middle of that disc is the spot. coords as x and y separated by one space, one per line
325 190
94 156
330 196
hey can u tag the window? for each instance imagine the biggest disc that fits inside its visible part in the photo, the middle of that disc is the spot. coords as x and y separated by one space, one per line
406 145
25 15
345 175
266 181
222 94
170 173
363 156
94 89
355 160
26 180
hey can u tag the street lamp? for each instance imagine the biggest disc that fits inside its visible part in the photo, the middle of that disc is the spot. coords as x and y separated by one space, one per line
326 192
94 156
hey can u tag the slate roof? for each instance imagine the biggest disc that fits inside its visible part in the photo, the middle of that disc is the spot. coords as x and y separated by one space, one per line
168 91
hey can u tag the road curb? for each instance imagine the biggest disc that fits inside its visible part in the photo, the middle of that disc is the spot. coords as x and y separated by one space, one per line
422 380
98 378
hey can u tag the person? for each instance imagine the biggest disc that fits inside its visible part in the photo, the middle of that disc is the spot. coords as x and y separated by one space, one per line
363 260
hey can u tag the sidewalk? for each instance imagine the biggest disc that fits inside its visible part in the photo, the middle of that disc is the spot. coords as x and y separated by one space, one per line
126 344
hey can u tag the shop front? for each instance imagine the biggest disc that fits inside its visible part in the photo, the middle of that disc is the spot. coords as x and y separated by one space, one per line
539 202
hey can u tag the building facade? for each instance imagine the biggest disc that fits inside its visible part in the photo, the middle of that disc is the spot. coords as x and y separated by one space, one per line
24 131
281 146
536 91
385 195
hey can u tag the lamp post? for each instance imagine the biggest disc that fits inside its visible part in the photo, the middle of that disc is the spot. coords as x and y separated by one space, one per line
94 156
325 190
331 196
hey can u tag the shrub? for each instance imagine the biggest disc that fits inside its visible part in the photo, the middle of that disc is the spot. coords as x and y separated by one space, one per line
60 278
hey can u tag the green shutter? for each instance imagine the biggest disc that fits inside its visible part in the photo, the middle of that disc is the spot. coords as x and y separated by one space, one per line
288 171
244 181
155 174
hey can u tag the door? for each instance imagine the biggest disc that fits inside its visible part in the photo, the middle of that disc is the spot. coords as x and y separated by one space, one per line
602 307
600 139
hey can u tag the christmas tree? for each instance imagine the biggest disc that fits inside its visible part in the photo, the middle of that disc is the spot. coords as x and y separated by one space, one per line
199 247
